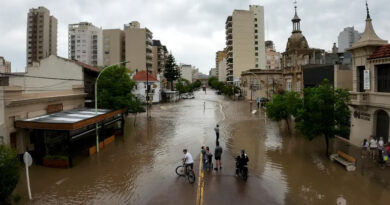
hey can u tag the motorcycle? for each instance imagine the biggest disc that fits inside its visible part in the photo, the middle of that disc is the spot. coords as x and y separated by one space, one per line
241 170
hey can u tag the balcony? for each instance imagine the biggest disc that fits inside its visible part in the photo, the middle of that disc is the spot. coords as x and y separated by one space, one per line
379 99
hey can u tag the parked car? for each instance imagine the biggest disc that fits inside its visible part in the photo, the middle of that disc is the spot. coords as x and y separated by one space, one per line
187 96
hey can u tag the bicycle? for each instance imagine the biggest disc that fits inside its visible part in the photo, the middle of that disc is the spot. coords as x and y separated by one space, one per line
190 173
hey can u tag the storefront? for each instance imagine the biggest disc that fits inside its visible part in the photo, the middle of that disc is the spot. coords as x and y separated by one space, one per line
68 133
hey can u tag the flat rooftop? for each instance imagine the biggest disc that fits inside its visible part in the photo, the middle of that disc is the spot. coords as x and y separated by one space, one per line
68 120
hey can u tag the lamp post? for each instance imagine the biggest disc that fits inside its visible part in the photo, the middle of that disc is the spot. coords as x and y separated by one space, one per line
251 87
96 112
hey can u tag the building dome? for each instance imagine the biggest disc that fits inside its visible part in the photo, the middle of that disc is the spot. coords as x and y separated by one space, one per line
297 41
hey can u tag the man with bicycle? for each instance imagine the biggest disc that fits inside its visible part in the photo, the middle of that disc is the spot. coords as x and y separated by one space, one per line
188 161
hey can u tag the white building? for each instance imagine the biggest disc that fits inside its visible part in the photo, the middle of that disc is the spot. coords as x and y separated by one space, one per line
347 37
213 72
28 97
222 66
86 43
142 80
186 72
245 46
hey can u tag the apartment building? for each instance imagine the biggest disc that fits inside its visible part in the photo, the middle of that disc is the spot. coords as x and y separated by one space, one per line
221 65
186 71
41 35
138 47
5 66
347 37
245 42
160 53
86 43
272 56
213 72
113 46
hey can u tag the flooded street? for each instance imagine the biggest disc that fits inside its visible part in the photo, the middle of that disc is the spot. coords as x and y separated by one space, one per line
139 168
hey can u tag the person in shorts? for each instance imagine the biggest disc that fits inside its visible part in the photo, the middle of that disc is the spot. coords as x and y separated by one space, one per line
217 156
188 161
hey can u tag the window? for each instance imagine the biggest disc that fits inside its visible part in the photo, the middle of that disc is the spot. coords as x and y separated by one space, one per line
256 54
361 78
255 19
255 37
288 85
256 48
257 65
383 78
256 42
256 25
298 86
255 30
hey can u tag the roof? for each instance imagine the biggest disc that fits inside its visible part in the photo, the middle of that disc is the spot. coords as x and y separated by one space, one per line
369 37
141 76
381 52
88 67
68 120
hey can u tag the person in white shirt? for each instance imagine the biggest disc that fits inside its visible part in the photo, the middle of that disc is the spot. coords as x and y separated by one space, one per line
188 161
373 147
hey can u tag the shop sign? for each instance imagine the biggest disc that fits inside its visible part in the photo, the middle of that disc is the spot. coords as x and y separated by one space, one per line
366 79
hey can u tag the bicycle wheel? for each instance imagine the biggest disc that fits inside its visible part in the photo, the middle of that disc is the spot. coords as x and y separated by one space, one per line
191 176
180 170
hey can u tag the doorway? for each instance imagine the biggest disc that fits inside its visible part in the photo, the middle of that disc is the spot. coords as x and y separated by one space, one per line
382 125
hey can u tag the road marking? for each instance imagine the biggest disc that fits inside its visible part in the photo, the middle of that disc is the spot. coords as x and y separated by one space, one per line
199 192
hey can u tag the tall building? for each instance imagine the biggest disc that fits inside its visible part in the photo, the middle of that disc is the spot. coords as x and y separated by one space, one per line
245 41
5 66
160 53
186 72
41 35
113 46
347 37
221 65
273 58
85 43
138 47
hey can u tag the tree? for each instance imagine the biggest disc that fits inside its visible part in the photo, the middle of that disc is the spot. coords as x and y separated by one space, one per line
9 169
114 90
171 71
283 106
325 113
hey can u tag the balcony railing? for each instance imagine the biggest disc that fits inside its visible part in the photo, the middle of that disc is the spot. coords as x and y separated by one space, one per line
370 98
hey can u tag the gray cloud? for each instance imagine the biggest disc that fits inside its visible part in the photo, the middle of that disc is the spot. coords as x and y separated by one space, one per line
192 30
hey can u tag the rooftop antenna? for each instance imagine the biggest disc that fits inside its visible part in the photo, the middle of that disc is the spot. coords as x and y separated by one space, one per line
368 11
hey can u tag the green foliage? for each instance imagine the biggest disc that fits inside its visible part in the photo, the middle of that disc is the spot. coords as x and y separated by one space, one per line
171 71
114 90
184 86
325 112
196 84
283 106
224 88
9 172
56 157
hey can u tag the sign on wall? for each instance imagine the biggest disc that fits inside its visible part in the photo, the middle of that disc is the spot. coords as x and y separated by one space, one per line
366 79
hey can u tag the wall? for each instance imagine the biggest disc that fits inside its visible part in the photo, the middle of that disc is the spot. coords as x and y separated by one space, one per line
342 77
51 66
135 46
113 46
222 66
186 72
140 91
243 42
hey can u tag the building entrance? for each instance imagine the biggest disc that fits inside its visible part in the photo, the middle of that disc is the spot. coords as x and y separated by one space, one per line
382 125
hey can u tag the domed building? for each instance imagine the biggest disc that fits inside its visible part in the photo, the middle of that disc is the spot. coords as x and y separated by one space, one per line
298 54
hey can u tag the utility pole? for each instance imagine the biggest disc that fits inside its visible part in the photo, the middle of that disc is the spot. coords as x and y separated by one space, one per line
147 94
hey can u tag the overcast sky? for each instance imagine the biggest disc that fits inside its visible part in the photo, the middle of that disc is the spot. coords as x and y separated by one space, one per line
193 30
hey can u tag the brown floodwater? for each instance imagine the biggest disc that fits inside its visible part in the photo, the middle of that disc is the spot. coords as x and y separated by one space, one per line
138 168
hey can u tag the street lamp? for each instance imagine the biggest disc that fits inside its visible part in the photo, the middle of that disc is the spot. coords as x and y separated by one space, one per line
251 86
96 112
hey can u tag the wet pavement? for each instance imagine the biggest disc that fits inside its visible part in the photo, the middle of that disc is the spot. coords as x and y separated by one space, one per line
139 168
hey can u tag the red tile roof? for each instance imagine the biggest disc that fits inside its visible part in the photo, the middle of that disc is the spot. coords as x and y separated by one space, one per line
381 52
86 66
141 76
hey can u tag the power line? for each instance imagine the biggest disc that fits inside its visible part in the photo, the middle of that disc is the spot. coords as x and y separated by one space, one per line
40 77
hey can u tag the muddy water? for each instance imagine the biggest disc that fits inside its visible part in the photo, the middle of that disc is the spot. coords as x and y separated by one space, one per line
139 167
